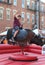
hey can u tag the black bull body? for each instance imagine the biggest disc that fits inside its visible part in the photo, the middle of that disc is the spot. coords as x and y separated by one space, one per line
24 36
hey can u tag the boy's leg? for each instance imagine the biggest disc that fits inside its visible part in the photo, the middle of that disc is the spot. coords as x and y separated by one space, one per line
15 33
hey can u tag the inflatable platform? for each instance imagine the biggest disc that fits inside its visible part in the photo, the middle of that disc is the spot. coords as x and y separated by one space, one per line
9 55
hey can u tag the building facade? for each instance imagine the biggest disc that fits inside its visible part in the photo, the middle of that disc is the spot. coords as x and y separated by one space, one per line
27 10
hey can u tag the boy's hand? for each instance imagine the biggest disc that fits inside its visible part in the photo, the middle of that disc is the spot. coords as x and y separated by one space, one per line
17 13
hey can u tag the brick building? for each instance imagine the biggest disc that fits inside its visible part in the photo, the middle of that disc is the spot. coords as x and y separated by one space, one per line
27 10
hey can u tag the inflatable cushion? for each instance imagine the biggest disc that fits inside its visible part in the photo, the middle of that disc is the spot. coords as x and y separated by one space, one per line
35 51
6 46
22 58
9 51
34 46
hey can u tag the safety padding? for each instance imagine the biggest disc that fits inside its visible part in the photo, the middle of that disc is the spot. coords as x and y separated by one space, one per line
9 51
10 48
23 58
35 51
6 48
34 46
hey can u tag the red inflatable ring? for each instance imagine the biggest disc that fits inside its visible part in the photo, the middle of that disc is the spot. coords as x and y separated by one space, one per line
23 58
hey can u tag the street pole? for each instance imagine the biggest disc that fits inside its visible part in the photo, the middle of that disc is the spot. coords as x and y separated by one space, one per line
37 13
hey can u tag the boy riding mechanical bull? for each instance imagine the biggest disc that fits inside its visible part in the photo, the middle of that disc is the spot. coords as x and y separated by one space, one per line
17 24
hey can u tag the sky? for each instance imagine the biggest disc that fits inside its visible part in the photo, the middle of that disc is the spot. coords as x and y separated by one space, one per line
43 1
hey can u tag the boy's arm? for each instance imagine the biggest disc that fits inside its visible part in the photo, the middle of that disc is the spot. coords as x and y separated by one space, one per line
16 14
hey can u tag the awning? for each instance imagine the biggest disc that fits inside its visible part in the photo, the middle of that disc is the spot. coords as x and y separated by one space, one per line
3 33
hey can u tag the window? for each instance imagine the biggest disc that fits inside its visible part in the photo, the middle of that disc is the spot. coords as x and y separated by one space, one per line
3 0
14 12
0 0
33 18
8 1
33 5
1 12
37 16
28 18
23 3
28 3
37 19
23 16
37 6
15 2
42 8
42 19
8 14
